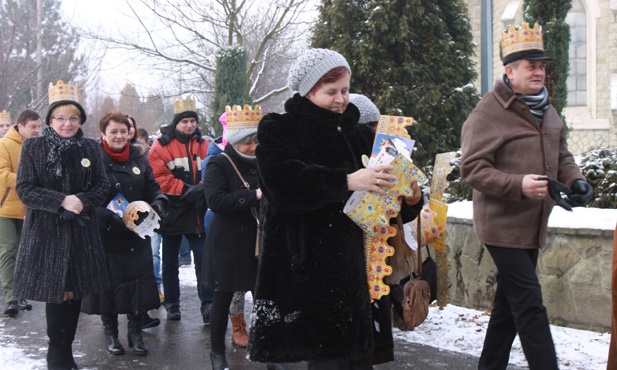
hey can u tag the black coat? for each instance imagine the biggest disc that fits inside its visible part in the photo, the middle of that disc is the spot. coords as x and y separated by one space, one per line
129 257
55 255
231 264
312 299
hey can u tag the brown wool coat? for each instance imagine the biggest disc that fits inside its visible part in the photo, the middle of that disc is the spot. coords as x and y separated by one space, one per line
612 349
501 143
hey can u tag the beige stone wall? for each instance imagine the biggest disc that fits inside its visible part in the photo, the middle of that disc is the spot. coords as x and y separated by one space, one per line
574 270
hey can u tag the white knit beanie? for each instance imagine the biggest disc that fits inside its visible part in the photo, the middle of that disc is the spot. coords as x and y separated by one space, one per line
368 111
309 68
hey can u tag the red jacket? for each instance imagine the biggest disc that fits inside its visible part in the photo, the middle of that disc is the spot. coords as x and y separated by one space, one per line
177 164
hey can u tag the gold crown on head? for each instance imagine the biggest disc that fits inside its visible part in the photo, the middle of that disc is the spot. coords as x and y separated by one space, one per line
183 105
5 117
62 91
243 117
522 38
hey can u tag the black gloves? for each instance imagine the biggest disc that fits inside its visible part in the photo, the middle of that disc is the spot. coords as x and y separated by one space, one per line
578 195
68 216
115 225
159 207
193 194
582 192
555 188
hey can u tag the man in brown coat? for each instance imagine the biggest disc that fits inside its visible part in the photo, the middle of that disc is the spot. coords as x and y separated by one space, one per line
511 142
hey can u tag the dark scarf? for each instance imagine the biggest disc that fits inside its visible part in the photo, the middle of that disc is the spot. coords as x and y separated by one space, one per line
57 147
538 104
120 157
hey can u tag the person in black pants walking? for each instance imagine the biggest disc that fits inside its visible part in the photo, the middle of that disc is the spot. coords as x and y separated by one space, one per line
512 142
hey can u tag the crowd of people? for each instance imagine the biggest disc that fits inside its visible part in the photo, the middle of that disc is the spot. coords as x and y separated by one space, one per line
261 209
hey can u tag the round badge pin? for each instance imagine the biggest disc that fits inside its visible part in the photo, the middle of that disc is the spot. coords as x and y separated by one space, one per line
85 162
136 170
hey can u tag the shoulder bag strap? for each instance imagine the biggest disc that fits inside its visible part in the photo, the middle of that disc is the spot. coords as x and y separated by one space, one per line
246 185
419 239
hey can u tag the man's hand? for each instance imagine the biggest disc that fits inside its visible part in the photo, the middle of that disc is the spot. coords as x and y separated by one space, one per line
582 192
535 186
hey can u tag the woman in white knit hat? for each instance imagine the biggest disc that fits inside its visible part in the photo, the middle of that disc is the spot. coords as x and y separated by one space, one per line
312 299
230 261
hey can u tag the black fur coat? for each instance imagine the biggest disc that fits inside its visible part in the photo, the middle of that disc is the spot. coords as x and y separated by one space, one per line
311 299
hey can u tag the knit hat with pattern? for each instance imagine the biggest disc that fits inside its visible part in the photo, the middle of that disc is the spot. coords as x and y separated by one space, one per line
368 110
309 68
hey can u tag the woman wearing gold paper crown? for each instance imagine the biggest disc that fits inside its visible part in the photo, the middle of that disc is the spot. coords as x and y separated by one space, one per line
61 179
231 264
129 257
311 299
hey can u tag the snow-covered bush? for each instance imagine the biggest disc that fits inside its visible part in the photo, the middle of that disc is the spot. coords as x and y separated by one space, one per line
599 166
458 190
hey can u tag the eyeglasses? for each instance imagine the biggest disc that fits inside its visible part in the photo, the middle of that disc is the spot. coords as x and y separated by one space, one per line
72 119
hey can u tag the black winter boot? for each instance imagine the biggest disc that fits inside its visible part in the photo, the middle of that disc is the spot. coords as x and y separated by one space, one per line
136 341
73 308
61 326
110 328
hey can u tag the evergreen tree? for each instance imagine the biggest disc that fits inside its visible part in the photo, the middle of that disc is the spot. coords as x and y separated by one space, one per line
154 114
551 15
230 86
18 53
130 101
412 58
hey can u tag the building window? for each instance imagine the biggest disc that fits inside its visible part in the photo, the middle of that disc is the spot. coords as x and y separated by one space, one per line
577 77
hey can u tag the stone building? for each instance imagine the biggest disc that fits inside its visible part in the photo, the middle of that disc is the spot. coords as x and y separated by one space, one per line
591 112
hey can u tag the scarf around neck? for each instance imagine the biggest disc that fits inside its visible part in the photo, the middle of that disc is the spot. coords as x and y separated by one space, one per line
57 147
538 104
120 157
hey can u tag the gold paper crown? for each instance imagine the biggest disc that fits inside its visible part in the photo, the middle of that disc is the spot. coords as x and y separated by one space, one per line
524 38
5 117
238 118
62 91
183 105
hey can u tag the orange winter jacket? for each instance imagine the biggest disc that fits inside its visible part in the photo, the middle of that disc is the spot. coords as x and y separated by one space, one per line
10 150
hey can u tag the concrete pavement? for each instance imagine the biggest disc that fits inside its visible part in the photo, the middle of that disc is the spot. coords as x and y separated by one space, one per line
182 344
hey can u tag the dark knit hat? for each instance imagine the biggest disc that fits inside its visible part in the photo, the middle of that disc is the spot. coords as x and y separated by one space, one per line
54 105
182 115
368 111
309 68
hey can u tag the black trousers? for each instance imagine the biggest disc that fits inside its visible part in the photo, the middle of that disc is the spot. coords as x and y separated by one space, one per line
517 308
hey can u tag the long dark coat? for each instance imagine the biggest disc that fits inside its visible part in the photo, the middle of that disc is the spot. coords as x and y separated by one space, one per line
231 264
312 298
50 248
129 257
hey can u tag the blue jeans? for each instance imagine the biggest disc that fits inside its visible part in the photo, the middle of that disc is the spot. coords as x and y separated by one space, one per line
185 250
171 282
155 241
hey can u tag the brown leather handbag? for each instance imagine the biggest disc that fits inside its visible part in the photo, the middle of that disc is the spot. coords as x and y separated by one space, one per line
417 293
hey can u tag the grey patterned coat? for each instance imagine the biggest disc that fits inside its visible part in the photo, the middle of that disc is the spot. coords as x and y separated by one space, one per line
55 256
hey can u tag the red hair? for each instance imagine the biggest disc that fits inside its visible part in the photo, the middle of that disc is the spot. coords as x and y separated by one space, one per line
334 75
